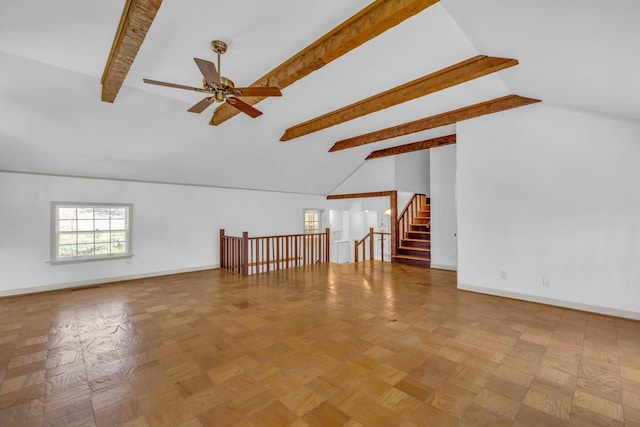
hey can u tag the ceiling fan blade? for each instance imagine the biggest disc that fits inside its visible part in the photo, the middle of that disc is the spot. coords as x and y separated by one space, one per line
156 82
257 91
243 106
202 105
209 72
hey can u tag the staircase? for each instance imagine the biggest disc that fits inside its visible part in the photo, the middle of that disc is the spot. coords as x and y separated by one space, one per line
414 226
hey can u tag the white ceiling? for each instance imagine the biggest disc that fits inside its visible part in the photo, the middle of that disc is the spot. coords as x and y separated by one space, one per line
576 53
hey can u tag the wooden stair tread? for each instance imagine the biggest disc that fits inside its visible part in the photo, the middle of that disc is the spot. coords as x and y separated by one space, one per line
411 248
416 240
415 258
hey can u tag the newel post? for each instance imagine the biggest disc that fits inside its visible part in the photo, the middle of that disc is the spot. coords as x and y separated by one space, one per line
327 250
371 257
245 253
393 221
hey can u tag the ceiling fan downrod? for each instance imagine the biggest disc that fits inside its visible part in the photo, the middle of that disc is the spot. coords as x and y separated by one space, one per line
219 47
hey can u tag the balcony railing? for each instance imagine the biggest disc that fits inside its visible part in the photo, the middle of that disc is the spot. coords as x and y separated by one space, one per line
253 255
368 244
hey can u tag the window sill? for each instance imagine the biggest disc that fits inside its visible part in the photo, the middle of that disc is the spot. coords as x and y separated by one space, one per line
80 259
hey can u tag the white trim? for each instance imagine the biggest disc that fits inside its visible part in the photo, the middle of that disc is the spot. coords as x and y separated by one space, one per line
444 267
552 301
96 282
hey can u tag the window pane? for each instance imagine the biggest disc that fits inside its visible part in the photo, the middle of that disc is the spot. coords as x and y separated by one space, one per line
85 237
85 224
102 249
67 213
103 237
118 248
67 225
86 249
102 224
102 213
118 213
85 213
118 236
66 250
118 224
67 238
118 242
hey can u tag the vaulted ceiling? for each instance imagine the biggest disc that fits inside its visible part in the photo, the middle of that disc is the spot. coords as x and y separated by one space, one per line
579 54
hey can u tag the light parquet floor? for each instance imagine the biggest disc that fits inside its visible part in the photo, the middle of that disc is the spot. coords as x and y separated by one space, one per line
329 345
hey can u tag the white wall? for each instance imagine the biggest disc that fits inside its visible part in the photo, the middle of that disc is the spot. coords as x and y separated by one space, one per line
412 172
373 175
176 228
549 192
406 172
444 243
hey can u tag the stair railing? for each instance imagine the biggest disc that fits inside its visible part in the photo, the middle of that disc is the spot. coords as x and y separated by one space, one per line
410 211
368 242
252 255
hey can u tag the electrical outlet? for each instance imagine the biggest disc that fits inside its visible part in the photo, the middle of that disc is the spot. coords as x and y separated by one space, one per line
546 282
503 274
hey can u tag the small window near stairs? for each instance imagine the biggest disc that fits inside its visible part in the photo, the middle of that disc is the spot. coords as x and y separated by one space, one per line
312 221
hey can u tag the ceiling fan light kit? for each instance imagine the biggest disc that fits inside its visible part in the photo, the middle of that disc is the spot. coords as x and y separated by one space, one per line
220 88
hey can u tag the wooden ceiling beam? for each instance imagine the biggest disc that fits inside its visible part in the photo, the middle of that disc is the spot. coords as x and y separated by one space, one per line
361 27
448 118
361 195
414 146
461 72
135 21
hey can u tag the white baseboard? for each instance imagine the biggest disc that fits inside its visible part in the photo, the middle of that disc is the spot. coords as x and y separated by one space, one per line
96 282
444 267
552 301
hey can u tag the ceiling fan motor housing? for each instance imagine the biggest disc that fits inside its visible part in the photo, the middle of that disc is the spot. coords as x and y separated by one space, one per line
218 46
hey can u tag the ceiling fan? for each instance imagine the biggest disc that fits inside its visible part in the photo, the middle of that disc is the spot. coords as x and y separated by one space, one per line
221 88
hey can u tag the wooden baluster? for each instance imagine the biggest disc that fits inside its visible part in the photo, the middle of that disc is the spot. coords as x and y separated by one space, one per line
233 255
382 247
263 246
238 256
267 253
316 254
287 254
304 249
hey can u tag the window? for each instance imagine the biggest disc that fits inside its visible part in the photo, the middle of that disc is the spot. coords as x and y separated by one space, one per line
89 231
312 221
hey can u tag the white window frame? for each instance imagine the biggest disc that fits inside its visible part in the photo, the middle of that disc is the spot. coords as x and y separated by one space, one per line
56 233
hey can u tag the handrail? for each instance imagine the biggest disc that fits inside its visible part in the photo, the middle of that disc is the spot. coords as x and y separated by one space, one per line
253 255
410 211
371 236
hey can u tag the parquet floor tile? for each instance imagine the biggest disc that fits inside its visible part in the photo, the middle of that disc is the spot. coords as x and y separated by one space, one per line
373 344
